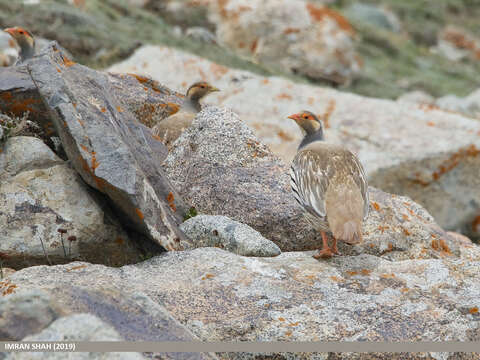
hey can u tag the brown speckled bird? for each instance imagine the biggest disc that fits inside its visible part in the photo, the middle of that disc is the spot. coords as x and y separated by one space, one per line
170 128
329 182
25 41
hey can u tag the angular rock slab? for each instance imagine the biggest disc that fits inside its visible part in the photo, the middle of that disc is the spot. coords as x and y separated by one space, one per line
41 194
221 168
110 149
221 296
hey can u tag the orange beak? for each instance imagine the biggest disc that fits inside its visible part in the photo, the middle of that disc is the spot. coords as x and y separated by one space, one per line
11 31
295 117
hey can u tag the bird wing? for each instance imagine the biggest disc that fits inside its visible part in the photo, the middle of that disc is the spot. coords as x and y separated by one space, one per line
311 172
355 168
309 175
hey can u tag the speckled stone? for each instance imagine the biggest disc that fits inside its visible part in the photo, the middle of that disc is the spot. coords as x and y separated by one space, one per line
230 235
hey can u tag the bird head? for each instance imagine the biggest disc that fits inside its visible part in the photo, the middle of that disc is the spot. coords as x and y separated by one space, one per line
308 122
24 39
199 90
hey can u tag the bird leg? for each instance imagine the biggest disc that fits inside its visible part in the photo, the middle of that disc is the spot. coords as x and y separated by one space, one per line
334 246
326 252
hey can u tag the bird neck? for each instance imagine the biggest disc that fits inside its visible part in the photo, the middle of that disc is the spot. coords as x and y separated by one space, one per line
27 50
193 103
311 137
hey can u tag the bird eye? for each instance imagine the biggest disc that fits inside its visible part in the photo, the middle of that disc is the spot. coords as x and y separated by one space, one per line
21 32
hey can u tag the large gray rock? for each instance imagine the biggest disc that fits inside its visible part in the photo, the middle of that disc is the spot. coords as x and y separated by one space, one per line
222 232
125 313
108 147
414 150
78 327
221 168
221 296
469 105
24 312
39 195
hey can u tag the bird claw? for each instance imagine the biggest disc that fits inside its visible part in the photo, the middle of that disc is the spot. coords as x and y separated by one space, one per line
325 253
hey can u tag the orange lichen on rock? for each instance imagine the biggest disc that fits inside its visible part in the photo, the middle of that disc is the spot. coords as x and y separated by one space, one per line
318 13
435 245
253 46
476 224
119 109
208 276
119 241
450 163
473 310
139 213
95 163
325 117
7 288
17 107
218 70
444 246
375 206
67 62
281 319
77 267
284 96
387 276
284 136
406 232
171 201
430 123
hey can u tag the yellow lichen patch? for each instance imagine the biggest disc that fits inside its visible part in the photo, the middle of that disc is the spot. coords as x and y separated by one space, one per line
119 109
77 267
473 310
139 213
103 110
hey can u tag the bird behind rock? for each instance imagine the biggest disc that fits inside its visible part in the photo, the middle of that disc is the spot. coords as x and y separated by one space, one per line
169 129
329 182
25 41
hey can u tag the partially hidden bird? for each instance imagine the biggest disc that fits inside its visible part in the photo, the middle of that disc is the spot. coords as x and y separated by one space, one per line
25 41
329 182
169 129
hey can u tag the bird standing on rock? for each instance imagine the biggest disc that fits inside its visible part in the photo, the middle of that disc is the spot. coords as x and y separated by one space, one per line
25 41
170 128
329 182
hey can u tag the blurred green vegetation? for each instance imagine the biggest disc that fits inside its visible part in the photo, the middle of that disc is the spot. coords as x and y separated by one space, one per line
107 31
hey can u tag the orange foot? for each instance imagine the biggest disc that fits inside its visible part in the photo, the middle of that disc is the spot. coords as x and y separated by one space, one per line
325 253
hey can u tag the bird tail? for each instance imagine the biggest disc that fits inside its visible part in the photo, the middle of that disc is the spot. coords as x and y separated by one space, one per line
350 232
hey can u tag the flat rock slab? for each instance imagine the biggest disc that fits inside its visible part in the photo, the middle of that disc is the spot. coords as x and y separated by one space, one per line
416 150
109 148
221 296
219 166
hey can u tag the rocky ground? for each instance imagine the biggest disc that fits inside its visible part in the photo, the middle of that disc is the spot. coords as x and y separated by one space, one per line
103 228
